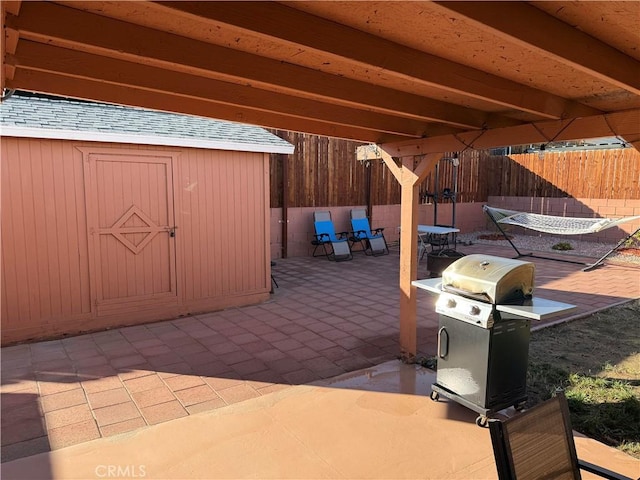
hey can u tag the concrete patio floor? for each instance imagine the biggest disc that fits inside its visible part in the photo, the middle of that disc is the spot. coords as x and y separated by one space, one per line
324 320
378 423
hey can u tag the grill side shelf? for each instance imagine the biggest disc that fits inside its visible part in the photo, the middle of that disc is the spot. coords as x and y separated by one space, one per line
431 285
537 308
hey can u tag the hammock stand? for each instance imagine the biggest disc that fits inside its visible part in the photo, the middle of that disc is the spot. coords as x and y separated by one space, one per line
551 224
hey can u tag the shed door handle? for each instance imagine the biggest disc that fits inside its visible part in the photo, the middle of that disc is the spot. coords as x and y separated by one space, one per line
443 344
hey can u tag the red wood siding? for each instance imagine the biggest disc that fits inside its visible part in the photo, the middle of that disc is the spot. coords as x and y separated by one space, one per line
66 270
224 233
45 274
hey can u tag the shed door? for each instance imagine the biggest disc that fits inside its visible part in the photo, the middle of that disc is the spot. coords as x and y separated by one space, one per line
131 229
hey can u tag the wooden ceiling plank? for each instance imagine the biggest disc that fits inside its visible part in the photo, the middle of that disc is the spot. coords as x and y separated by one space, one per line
32 80
625 124
281 23
36 56
535 29
66 27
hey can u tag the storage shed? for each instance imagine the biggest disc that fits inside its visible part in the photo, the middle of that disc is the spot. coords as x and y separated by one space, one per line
119 216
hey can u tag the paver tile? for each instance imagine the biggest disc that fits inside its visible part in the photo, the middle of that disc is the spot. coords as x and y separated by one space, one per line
270 355
19 386
180 382
154 350
234 358
276 387
11 400
255 347
25 448
237 393
212 404
49 388
284 365
219 383
91 361
222 349
71 434
64 399
244 338
116 413
122 427
199 358
249 367
143 383
153 396
193 395
304 353
84 353
159 361
102 384
190 348
318 364
25 429
139 371
300 376
68 416
163 412
212 369
180 368
128 361
108 397
287 344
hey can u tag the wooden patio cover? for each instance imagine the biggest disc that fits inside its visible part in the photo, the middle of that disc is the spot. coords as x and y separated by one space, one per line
417 78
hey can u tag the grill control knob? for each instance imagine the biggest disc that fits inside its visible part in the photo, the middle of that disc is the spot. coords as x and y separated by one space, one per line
451 303
474 310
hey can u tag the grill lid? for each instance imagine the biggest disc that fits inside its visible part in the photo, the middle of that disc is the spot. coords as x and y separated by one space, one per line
490 279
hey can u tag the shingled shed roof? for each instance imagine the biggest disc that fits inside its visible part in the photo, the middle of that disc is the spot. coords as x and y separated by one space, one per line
49 117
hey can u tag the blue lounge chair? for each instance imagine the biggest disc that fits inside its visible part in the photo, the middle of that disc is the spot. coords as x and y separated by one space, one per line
335 246
371 243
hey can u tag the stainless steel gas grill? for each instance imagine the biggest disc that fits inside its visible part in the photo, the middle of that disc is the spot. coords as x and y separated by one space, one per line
485 308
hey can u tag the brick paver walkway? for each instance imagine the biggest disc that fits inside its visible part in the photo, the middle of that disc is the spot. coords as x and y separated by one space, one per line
325 319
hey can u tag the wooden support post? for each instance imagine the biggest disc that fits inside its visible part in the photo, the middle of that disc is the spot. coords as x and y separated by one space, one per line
410 178
408 261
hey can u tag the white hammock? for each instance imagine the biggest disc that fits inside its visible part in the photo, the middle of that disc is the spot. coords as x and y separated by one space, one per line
554 225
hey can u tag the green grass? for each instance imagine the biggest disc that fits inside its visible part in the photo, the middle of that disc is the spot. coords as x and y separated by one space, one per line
596 361
562 246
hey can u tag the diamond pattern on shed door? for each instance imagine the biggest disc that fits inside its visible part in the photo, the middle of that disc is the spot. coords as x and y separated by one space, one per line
131 220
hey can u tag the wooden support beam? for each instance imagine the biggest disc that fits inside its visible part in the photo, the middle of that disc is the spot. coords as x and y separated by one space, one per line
342 42
13 6
410 179
74 29
37 56
625 124
535 29
8 40
85 89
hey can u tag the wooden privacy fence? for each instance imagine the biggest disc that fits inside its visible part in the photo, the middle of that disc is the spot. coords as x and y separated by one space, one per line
324 172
